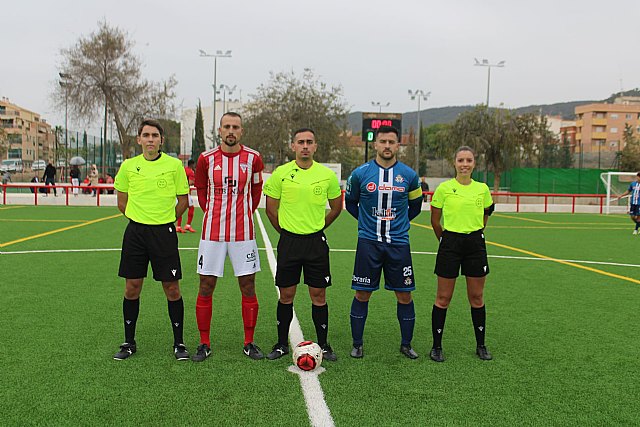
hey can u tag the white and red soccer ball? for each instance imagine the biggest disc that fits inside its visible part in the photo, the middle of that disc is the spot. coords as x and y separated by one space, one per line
307 355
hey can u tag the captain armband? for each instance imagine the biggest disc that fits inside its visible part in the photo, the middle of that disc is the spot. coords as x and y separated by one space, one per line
488 211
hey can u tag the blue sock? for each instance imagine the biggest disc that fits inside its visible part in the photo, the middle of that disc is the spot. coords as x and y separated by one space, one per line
358 315
407 319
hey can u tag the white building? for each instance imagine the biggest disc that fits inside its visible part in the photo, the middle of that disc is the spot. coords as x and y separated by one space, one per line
188 122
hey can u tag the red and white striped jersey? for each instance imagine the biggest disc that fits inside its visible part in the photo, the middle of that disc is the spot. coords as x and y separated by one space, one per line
231 184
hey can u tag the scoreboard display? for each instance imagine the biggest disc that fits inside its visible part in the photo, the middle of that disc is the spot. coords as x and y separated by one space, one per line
371 122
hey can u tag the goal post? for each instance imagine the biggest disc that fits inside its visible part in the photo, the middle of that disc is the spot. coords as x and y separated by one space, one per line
616 183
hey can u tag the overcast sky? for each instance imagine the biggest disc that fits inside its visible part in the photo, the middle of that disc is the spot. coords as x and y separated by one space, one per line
555 50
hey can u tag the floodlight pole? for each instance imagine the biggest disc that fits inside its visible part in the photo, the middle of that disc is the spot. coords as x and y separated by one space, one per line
485 63
380 105
215 56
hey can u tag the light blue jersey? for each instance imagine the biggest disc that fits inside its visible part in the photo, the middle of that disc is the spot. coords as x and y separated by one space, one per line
383 200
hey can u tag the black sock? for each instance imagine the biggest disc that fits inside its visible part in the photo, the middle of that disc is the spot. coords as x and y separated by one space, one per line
479 318
438 316
176 314
130 310
284 315
320 315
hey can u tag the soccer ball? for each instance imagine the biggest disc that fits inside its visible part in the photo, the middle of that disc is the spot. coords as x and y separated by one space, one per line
307 355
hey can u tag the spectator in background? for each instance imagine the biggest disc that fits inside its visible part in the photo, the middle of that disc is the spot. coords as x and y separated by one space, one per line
75 179
109 182
6 177
93 178
425 187
36 180
49 177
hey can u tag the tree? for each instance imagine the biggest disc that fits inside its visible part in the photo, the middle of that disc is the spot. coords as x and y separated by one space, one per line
502 140
630 156
171 142
105 75
198 145
289 102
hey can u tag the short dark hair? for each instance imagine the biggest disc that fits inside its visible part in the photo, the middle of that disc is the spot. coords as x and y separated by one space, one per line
151 122
231 114
293 138
638 174
191 162
388 129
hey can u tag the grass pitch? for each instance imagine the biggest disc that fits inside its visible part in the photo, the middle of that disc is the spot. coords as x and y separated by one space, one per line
562 325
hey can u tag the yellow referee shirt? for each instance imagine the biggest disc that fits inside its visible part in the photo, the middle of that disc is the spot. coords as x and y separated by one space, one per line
152 187
303 195
462 205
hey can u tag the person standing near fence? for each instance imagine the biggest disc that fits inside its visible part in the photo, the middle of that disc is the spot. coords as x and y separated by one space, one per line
191 177
460 209
75 179
634 203
49 177
93 179
148 186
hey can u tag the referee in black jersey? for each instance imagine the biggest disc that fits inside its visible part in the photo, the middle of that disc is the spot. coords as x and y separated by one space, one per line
460 209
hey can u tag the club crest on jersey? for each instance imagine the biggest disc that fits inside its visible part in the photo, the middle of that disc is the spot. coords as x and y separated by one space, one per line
399 179
371 187
243 167
317 190
162 183
408 281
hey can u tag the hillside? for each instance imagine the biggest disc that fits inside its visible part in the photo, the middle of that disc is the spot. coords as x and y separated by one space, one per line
449 114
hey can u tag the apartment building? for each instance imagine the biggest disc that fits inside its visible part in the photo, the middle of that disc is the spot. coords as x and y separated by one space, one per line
29 136
600 127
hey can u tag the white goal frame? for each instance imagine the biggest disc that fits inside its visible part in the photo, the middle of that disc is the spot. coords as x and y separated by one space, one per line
606 179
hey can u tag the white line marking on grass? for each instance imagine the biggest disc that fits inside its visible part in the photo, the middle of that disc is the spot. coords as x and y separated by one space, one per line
319 414
523 258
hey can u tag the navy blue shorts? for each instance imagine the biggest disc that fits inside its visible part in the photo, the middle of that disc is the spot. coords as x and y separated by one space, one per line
372 258
634 210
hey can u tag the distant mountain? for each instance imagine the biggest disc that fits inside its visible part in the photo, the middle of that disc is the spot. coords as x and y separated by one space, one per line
449 114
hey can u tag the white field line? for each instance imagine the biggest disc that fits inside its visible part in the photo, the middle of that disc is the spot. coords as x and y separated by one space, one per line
525 258
319 414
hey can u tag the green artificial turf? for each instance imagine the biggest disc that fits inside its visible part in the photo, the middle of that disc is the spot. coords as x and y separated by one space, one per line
565 339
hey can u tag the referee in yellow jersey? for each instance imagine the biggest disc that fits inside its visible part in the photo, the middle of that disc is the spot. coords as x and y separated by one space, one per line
148 186
460 209
297 193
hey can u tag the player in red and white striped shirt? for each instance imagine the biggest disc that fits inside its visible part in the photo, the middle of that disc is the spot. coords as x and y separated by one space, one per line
229 186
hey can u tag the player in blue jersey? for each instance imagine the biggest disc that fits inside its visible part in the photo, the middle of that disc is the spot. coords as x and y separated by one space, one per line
634 202
383 195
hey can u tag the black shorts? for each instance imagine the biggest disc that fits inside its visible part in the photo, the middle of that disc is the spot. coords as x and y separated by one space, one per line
156 243
634 210
298 252
458 250
372 258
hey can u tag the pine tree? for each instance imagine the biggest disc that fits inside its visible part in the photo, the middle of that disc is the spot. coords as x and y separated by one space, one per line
197 147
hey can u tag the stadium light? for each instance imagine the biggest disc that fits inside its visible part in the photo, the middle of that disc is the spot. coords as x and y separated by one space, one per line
380 105
485 63
418 94
215 56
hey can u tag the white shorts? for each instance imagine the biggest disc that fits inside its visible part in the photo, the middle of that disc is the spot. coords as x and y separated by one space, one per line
243 255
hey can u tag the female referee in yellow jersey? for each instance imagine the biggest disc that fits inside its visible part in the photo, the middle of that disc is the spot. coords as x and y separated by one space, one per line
459 211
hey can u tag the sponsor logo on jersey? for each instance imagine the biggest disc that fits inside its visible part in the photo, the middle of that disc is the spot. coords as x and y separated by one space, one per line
371 187
358 279
385 187
384 213
224 190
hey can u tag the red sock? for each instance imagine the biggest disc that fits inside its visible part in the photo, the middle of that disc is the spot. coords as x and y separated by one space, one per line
179 221
190 215
203 317
249 317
